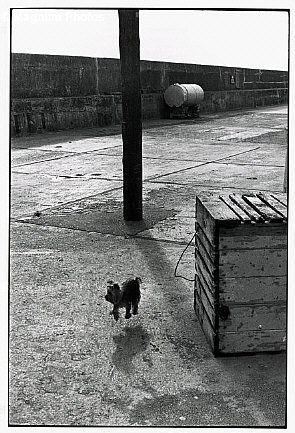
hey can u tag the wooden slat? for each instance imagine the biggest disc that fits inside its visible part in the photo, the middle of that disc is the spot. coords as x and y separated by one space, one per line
259 229
210 260
254 237
276 205
282 198
205 324
265 211
219 210
253 215
252 289
201 236
252 263
208 285
206 222
254 318
252 341
216 210
254 242
241 214
208 274
203 299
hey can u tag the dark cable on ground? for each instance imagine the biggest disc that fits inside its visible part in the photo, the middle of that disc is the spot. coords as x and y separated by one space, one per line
175 270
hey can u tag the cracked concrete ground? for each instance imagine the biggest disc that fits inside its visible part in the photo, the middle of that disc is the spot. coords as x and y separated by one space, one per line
70 363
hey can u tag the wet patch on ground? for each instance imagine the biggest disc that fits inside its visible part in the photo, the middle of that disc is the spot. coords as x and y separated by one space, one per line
100 218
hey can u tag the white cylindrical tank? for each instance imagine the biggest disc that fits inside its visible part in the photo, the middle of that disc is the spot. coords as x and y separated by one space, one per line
178 95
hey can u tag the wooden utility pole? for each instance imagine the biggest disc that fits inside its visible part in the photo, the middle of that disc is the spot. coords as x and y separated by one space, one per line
131 107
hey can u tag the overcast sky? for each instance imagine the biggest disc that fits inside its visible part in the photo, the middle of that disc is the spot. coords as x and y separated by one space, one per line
253 39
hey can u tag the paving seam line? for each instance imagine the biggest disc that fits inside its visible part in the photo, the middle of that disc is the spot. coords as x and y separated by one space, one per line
124 236
72 154
214 187
205 163
79 199
243 163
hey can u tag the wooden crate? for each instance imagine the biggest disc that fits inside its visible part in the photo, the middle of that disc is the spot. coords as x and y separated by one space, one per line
241 271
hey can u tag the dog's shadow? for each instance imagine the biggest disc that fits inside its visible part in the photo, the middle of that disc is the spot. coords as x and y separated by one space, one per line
131 342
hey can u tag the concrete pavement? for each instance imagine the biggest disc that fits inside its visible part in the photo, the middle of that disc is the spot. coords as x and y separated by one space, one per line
70 363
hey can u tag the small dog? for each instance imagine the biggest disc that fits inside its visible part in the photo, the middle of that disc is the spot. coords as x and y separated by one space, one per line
128 297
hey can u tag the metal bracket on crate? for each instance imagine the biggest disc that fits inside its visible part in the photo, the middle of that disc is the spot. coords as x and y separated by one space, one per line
223 312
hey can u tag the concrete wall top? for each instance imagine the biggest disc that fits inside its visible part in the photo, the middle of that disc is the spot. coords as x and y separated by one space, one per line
40 75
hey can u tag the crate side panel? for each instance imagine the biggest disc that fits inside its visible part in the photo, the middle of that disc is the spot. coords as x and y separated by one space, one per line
253 289
254 317
252 263
253 236
252 341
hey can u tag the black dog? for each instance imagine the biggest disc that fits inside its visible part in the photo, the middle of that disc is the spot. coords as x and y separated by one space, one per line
128 297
